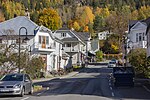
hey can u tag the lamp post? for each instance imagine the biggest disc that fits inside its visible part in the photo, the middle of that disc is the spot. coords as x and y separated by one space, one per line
130 46
19 45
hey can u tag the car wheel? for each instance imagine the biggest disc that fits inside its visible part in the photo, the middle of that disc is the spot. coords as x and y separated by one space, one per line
31 91
22 92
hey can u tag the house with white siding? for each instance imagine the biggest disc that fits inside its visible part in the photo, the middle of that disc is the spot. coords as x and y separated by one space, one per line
41 41
103 35
74 45
137 34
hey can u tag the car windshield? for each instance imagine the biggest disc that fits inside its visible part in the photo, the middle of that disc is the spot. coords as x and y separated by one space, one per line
112 62
13 77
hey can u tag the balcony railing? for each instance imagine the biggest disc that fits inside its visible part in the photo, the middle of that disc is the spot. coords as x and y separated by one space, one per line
45 47
70 49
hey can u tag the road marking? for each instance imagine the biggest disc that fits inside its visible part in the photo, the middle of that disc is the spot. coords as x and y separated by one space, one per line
112 94
109 80
146 88
109 83
111 88
25 98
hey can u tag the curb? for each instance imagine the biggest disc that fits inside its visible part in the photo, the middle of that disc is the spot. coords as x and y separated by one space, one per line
61 77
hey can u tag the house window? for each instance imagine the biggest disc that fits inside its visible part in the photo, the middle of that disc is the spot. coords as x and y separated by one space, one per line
68 45
143 37
137 37
63 34
47 40
43 39
140 37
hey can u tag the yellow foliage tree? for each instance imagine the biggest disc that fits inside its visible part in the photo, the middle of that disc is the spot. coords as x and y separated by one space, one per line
103 12
144 12
76 26
84 16
12 8
50 18
86 29
1 17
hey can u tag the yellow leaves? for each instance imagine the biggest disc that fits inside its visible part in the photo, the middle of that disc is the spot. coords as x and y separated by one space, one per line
76 26
89 15
2 18
134 15
114 47
144 12
103 12
86 29
12 8
50 18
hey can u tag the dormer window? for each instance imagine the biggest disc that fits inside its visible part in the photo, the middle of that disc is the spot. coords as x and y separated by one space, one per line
63 34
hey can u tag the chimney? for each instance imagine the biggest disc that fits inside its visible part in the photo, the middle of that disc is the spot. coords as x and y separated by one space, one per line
27 14
15 15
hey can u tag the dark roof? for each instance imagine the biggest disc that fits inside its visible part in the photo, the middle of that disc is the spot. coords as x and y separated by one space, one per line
132 23
69 39
83 35
147 21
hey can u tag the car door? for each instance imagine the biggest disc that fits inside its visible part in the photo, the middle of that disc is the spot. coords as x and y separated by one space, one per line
27 84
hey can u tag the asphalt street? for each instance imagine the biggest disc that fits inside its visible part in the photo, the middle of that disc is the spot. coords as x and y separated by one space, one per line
91 83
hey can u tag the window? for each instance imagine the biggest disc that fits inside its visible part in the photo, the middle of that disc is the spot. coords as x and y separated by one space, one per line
137 37
140 37
68 45
143 37
43 39
47 40
63 34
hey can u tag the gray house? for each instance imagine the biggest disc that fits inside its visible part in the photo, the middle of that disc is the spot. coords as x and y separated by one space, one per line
75 44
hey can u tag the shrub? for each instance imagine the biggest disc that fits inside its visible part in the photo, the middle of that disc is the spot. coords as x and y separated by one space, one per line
138 59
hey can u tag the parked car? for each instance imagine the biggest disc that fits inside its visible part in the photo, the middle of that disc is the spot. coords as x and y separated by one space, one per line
112 64
16 84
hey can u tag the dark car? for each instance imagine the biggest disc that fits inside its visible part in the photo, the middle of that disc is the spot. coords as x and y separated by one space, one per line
16 84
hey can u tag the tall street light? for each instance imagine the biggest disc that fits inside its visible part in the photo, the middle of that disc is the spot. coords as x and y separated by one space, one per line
19 45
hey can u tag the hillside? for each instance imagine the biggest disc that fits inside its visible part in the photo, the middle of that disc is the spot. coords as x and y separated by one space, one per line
83 15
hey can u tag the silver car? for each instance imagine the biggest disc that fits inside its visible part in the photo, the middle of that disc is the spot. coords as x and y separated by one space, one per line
16 84
112 64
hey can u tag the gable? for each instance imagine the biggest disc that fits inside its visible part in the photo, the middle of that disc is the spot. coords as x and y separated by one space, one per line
139 25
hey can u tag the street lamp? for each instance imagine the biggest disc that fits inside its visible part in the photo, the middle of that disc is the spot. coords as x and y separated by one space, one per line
19 45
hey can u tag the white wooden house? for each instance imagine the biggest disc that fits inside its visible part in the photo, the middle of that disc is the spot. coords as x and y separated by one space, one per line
41 41
137 34
73 45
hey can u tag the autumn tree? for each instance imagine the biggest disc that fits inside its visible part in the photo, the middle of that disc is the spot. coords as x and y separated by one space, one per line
137 58
10 8
111 45
50 19
2 18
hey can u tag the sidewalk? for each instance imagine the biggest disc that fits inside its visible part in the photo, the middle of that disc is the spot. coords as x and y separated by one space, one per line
63 76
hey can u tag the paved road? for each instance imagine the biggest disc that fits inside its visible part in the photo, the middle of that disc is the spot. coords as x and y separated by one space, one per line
92 83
